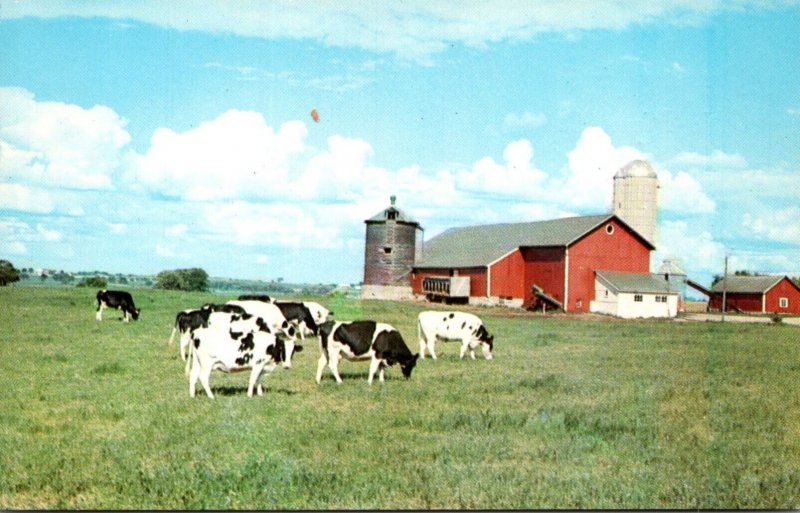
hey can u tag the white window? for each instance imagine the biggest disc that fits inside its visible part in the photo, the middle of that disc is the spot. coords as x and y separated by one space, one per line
783 302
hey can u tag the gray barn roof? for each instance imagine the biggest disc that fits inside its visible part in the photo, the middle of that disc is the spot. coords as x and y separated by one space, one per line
479 246
746 284
643 283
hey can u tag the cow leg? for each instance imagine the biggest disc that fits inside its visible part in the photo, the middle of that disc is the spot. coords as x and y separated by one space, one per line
99 314
463 350
193 375
184 342
333 363
205 375
431 346
380 372
374 365
255 376
321 367
126 315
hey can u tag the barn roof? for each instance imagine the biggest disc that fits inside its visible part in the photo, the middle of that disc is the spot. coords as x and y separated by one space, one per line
644 283
479 246
746 284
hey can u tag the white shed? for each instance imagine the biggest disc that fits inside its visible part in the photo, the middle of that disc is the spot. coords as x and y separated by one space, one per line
634 295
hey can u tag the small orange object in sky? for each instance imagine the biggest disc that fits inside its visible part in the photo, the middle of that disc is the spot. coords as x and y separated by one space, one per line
315 115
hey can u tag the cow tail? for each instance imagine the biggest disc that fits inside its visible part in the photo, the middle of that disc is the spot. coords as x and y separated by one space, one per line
172 336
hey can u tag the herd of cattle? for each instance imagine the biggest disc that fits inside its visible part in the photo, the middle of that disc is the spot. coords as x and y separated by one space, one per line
258 333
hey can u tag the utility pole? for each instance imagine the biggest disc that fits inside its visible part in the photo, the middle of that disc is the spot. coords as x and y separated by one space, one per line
725 287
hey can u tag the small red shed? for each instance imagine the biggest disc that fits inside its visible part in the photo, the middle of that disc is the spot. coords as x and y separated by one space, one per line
756 294
559 256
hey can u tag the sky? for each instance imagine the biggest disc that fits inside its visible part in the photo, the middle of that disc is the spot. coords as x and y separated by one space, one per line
138 136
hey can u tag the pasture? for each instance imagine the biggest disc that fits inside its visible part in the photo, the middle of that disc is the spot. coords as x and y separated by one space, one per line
571 413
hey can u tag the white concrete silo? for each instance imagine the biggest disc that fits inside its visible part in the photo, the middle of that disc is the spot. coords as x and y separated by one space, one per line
636 197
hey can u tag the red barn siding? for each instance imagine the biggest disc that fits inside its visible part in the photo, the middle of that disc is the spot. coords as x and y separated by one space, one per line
507 276
737 301
545 268
600 251
786 289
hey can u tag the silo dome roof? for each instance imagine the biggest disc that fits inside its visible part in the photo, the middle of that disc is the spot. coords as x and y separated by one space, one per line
637 168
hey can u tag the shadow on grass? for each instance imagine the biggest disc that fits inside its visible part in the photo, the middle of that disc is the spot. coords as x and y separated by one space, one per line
228 390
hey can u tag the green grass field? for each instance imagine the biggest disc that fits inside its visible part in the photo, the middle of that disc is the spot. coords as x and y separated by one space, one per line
571 413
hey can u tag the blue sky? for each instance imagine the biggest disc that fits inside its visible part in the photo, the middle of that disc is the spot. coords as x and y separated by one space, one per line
141 136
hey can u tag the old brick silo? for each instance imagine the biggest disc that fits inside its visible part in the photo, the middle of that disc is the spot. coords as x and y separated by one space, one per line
389 254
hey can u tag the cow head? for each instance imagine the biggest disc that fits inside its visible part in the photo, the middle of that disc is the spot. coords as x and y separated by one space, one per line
487 342
135 314
408 365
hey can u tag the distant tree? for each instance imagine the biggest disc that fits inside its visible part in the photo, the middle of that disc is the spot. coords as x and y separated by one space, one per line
189 280
96 282
8 273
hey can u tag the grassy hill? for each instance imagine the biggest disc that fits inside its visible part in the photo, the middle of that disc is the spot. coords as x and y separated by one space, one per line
571 413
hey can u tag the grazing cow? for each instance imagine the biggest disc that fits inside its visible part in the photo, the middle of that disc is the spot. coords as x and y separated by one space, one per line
299 315
237 347
318 312
461 326
277 323
119 300
363 340
188 320
255 297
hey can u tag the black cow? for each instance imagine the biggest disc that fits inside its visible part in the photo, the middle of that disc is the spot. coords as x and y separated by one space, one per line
119 300
363 340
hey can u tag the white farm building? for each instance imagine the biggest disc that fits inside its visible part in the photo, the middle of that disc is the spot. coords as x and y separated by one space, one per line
634 295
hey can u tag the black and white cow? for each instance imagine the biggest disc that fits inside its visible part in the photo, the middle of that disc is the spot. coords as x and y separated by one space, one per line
298 314
363 340
239 346
463 327
119 300
255 297
277 323
188 320
318 312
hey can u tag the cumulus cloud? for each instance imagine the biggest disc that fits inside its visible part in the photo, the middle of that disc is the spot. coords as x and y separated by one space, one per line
683 194
517 176
59 144
237 154
777 225
679 239
16 235
592 165
414 29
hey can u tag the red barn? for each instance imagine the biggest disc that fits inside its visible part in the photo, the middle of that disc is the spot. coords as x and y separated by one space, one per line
560 256
756 294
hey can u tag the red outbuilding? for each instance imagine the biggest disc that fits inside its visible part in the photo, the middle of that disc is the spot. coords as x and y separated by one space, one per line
504 261
756 294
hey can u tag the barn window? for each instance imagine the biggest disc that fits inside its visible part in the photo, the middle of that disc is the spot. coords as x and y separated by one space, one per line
610 229
783 302
387 250
578 303
638 298
391 215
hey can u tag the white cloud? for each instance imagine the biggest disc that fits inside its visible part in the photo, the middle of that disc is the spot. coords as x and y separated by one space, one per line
237 154
165 251
117 228
677 68
46 234
59 144
16 234
591 169
516 177
695 247
793 111
177 230
776 225
25 199
526 120
414 29
683 194
717 159
262 259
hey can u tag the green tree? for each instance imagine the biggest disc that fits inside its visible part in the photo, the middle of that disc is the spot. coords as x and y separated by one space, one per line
8 273
93 282
189 280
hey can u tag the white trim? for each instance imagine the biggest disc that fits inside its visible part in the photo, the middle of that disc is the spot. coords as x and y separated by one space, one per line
764 302
566 279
